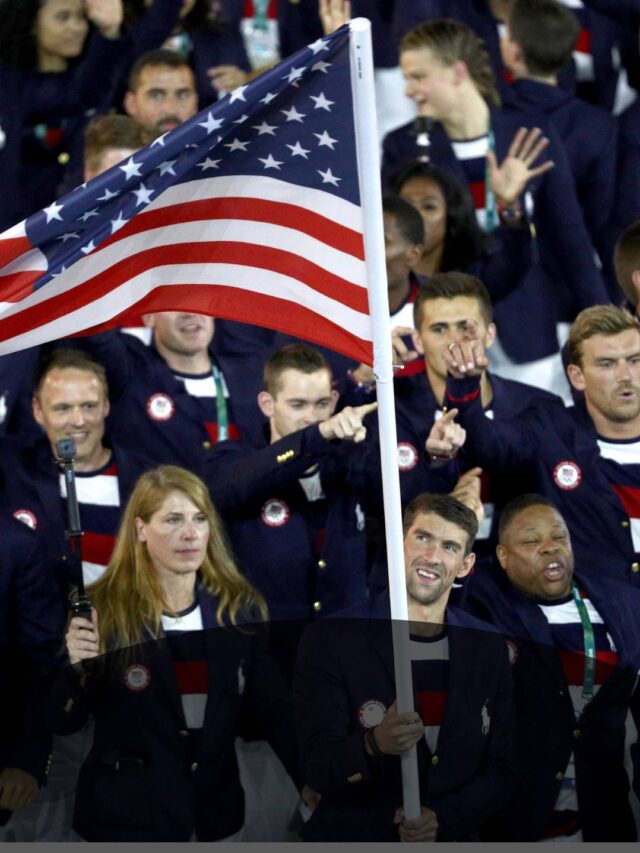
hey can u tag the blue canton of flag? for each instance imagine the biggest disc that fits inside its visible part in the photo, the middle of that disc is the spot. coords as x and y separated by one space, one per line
252 204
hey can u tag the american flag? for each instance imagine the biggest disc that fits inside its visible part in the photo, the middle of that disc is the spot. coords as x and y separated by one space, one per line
249 211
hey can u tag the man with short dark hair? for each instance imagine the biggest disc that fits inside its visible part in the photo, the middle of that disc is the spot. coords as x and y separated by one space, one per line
349 729
585 458
575 650
626 261
450 307
294 505
161 92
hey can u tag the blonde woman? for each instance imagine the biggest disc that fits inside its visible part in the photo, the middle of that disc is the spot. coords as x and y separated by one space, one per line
173 655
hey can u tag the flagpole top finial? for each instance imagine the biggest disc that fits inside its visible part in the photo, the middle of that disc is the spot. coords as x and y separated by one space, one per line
360 25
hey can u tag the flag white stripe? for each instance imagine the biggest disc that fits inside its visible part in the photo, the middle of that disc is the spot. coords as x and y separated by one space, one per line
244 278
17 230
336 209
29 262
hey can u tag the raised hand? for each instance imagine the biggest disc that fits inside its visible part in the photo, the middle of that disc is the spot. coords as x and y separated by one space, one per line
446 436
347 424
106 15
333 14
509 180
466 357
467 491
401 352
226 78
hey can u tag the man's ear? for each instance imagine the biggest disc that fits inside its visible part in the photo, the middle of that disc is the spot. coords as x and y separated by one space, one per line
501 554
149 320
635 281
265 401
37 410
491 335
461 72
413 254
467 564
129 103
576 377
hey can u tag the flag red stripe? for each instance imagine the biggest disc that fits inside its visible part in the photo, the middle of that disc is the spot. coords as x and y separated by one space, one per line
18 285
260 257
97 547
230 303
249 210
11 248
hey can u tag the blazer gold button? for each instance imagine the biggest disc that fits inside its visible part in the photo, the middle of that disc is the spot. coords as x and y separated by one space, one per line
194 766
577 733
625 522
183 733
435 760
635 567
559 776
322 564
206 445
317 606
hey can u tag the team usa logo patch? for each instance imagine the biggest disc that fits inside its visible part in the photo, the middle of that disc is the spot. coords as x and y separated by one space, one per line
567 475
160 407
275 513
26 517
512 651
407 456
137 677
371 713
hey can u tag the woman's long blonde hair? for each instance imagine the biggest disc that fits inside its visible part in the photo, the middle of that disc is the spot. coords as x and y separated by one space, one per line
451 42
129 597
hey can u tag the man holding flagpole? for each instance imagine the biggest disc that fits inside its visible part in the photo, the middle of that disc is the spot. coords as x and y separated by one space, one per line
349 727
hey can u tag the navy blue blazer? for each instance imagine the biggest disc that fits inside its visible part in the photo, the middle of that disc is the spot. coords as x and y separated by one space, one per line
547 729
137 373
293 557
140 781
32 621
527 315
538 443
346 662
32 488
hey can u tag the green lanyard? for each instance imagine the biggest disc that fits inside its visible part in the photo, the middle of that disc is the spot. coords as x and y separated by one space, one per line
589 644
260 9
221 404
490 206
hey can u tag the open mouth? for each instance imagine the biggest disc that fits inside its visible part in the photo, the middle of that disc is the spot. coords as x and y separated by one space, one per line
428 576
554 571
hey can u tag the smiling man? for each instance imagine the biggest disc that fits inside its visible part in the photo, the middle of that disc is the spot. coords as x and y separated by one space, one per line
349 728
574 652
71 401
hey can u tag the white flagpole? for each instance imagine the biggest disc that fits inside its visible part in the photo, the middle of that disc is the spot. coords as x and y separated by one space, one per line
371 199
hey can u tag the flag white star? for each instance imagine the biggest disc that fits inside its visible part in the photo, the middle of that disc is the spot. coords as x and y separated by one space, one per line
143 195
117 224
167 167
298 151
237 94
325 139
237 145
294 74
321 102
209 164
53 212
159 140
321 66
211 123
265 128
87 249
328 177
293 115
267 98
270 163
60 271
72 235
319 45
131 169
89 214
241 119
107 195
